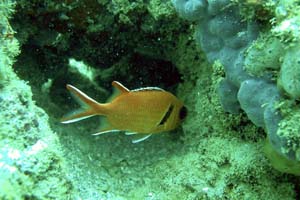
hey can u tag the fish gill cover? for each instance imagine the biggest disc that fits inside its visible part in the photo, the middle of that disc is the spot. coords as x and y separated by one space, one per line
215 155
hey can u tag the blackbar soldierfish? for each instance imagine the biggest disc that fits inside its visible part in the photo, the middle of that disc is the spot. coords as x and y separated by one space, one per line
141 111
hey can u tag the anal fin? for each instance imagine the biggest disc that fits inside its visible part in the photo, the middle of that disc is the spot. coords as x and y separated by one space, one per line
105 127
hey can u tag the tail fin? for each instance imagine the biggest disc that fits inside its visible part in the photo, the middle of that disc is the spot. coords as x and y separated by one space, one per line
89 107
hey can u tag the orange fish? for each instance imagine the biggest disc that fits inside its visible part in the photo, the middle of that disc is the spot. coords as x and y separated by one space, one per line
141 111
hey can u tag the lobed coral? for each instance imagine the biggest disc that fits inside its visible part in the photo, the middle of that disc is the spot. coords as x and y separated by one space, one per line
250 66
251 62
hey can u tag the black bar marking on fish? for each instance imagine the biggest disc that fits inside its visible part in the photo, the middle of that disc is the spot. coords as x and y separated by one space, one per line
167 115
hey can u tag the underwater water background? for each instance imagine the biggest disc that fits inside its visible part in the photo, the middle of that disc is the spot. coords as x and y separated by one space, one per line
220 151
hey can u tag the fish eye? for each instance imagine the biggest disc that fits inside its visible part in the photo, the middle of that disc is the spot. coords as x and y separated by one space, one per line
182 112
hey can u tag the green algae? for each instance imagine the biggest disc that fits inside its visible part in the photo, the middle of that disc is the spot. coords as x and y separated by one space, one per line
213 155
289 128
264 56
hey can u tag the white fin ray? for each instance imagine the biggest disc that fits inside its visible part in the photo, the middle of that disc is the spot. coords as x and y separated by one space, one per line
108 131
76 119
131 133
147 89
118 89
140 139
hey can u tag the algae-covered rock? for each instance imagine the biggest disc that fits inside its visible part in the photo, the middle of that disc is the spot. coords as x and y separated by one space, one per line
280 162
290 72
31 163
289 130
264 56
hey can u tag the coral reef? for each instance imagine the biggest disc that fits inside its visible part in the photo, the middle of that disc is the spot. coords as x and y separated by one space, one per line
251 68
90 43
31 163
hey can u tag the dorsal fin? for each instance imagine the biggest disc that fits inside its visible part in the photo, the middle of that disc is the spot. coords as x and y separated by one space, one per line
117 90
119 87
